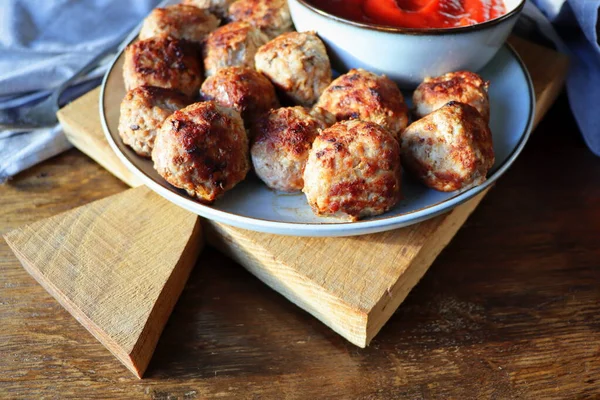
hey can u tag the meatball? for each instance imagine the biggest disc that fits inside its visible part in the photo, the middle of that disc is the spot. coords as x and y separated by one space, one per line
179 21
449 149
297 64
218 7
360 94
162 62
270 16
143 111
242 89
353 170
202 149
232 45
283 139
464 86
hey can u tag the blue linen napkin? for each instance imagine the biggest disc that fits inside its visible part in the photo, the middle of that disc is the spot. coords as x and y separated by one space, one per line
43 43
574 31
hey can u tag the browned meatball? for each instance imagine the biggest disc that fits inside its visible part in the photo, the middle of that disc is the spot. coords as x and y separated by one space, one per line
463 86
283 139
297 64
449 149
232 45
242 89
179 21
162 62
353 170
270 16
143 111
202 149
218 7
360 94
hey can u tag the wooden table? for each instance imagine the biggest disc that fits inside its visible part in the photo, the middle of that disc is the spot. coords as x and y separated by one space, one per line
511 309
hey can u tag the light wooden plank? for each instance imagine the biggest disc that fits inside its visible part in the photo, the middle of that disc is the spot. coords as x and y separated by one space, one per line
351 284
118 265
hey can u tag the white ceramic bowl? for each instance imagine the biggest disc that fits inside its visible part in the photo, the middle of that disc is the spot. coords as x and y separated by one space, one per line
406 55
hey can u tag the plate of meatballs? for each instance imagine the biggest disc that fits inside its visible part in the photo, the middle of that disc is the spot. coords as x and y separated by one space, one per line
222 108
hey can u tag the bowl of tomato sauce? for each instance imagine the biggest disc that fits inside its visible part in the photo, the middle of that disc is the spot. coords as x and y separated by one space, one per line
409 40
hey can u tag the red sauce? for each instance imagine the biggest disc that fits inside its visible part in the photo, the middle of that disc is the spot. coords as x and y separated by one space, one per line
414 13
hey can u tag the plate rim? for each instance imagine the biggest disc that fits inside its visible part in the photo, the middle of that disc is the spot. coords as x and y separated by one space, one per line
316 229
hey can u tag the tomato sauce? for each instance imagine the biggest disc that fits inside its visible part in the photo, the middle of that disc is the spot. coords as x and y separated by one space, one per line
414 13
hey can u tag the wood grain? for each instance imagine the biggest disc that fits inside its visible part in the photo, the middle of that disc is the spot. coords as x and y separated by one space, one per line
115 266
509 310
353 285
81 128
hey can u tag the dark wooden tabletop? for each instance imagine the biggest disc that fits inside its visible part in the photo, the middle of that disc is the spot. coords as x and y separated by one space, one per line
511 309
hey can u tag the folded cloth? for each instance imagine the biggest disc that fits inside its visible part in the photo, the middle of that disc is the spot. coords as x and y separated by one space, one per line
20 151
43 43
574 31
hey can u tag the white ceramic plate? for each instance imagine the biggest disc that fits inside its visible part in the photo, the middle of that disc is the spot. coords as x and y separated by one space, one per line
251 205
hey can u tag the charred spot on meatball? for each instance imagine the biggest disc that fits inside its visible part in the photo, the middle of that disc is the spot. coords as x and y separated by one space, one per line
363 95
163 62
243 89
353 171
202 149
462 86
283 138
179 21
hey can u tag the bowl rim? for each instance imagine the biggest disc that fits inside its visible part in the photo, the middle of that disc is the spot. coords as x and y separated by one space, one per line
415 31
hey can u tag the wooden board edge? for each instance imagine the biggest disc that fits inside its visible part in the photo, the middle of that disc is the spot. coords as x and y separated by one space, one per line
71 307
97 148
443 234
165 303
343 319
137 357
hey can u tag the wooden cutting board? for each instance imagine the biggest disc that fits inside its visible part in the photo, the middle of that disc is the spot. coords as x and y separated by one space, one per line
351 284
109 265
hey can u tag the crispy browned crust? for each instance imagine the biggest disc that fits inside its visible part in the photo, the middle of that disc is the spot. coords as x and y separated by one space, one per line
270 16
282 140
243 89
297 64
467 146
179 21
142 112
462 86
292 128
360 94
152 95
202 149
218 7
232 45
358 170
163 62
